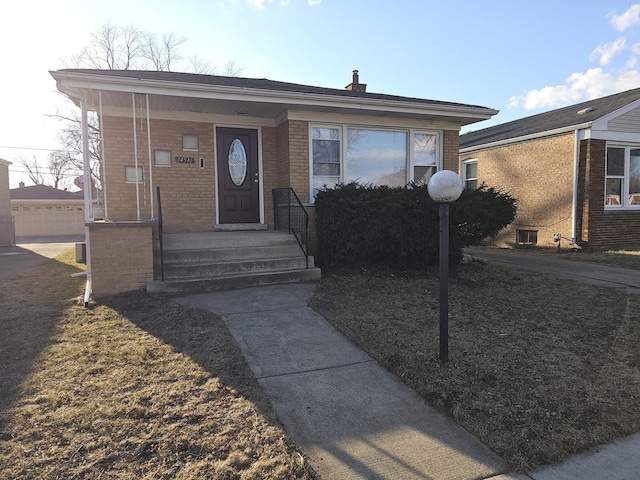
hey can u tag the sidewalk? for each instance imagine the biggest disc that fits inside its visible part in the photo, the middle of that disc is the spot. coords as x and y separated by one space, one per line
350 416
591 273
353 419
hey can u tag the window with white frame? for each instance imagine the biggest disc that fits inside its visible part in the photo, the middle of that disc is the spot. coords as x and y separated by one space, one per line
622 177
130 174
190 142
371 156
470 174
162 158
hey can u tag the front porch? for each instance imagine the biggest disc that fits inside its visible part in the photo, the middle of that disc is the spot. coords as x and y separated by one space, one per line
224 260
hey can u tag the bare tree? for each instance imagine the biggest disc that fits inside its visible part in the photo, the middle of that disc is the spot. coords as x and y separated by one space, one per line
116 48
34 171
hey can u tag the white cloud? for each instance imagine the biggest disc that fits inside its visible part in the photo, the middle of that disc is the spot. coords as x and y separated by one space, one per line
257 3
593 83
314 2
604 53
628 19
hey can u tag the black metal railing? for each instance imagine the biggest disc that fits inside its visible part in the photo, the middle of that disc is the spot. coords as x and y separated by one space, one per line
291 216
160 235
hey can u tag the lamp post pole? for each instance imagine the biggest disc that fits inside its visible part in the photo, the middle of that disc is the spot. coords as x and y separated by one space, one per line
444 282
444 187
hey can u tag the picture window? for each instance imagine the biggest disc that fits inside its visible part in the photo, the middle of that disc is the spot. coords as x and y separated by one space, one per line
527 237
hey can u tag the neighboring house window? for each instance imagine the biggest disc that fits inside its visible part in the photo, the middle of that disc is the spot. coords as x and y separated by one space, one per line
190 141
130 174
162 158
527 237
470 174
622 181
371 156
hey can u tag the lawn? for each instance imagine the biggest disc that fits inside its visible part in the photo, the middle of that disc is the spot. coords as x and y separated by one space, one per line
135 387
540 367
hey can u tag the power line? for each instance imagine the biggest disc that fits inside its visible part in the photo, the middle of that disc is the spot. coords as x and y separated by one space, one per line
33 148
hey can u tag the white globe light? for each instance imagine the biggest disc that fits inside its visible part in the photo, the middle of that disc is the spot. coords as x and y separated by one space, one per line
445 186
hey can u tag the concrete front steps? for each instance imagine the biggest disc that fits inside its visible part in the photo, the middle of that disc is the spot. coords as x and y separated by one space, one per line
213 261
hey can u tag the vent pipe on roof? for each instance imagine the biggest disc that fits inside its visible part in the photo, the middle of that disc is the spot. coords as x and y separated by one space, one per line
355 84
21 184
585 110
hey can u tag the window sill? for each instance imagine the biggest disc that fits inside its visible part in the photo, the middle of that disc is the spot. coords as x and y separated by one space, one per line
635 208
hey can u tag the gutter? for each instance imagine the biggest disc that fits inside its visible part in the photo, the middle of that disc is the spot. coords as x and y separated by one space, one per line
574 206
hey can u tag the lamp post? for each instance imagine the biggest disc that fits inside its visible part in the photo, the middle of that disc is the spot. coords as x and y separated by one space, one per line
444 187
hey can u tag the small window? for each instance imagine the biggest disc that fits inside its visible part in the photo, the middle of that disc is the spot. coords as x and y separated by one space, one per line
470 174
425 156
189 141
162 158
527 237
130 174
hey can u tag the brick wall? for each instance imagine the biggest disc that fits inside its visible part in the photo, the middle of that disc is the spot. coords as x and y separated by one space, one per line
539 174
121 257
187 191
600 227
451 146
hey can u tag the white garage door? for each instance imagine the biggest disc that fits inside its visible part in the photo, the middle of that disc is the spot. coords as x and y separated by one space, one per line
48 220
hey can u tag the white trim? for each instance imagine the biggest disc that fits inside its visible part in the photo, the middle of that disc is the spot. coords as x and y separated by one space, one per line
463 168
368 121
522 139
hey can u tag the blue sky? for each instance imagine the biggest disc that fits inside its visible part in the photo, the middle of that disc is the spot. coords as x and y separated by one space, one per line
519 57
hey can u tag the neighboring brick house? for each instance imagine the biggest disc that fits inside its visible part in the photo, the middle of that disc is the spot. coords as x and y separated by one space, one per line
218 146
7 234
43 211
574 171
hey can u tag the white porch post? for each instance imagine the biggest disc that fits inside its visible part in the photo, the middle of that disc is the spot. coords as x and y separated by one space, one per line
103 161
135 157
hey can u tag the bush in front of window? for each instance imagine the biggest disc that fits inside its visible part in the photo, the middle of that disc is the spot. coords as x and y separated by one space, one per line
360 226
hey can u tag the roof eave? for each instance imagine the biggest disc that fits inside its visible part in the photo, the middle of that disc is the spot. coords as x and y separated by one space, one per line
524 138
73 83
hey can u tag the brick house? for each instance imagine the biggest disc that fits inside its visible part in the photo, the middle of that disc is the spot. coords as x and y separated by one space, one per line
220 148
574 171
7 233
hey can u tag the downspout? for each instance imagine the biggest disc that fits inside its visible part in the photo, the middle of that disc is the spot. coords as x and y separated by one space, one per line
87 184
574 208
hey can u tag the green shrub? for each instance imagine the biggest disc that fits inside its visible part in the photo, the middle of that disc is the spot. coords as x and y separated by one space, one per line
363 226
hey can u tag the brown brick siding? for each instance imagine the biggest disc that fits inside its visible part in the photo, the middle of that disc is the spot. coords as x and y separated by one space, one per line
539 174
600 227
451 146
114 264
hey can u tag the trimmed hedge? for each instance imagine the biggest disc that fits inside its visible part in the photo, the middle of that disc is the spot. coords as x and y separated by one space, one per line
363 226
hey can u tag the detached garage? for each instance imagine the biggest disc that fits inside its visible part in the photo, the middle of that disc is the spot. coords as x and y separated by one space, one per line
40 211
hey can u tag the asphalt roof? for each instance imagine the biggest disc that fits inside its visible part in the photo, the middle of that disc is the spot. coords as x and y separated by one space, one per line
552 120
256 83
43 192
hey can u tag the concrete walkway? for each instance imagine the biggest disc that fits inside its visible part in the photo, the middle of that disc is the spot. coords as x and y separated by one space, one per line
350 416
32 251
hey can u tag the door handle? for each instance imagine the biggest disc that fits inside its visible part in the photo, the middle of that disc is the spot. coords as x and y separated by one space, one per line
256 181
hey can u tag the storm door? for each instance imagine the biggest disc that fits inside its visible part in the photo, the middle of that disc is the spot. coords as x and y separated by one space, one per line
238 176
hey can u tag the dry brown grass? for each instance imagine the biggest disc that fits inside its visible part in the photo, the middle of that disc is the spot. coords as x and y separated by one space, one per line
135 387
540 367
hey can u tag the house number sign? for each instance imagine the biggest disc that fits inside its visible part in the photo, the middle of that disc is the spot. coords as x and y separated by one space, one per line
185 160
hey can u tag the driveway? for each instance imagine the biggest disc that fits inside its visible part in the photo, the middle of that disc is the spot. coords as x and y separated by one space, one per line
32 251
591 273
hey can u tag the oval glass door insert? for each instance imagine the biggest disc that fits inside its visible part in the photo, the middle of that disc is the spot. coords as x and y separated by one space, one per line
237 162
